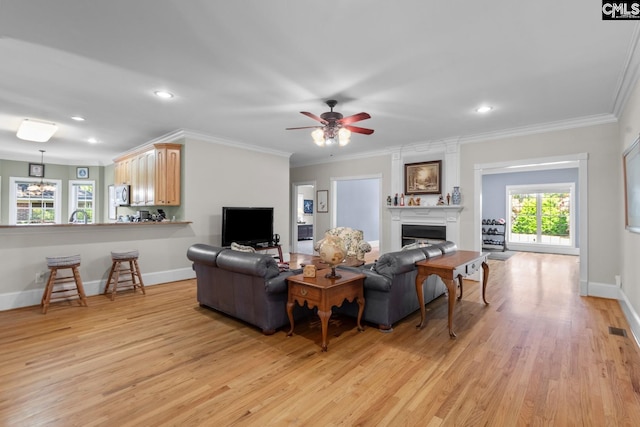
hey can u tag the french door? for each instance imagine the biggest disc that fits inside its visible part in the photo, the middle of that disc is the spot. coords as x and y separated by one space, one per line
542 218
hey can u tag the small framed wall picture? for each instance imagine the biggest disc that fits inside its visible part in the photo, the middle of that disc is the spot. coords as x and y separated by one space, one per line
322 197
36 169
82 173
308 206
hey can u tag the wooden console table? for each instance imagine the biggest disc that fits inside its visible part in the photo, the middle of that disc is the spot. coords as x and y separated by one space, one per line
451 266
324 293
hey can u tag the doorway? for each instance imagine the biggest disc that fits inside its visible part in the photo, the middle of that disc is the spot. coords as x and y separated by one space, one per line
303 218
577 162
357 202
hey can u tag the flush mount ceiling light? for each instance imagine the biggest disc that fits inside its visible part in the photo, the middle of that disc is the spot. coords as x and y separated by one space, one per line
35 130
77 118
163 94
484 109
93 140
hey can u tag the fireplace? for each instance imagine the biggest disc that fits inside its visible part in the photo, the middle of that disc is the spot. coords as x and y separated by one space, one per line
423 223
418 233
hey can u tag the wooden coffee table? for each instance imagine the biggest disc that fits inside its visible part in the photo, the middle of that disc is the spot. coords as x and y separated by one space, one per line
324 293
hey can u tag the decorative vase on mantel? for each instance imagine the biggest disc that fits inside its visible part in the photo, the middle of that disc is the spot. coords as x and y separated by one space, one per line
455 196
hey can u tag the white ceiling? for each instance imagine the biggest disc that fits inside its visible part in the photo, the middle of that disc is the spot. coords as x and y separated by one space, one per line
243 70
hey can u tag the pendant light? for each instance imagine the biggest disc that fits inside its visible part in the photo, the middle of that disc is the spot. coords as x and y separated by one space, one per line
37 189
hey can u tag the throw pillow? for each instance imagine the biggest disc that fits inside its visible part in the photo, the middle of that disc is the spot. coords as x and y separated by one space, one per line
241 248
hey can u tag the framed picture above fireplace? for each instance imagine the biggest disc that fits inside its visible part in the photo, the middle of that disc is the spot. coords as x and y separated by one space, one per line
423 178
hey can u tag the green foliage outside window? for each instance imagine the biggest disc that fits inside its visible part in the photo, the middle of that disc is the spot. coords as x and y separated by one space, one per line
554 215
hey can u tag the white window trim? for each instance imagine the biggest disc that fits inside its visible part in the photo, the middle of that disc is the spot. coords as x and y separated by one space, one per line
13 198
72 208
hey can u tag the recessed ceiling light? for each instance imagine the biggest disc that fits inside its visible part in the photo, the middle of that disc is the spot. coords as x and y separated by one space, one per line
77 118
484 109
93 140
163 94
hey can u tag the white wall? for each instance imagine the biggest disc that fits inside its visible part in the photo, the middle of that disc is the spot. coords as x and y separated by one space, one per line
629 242
222 175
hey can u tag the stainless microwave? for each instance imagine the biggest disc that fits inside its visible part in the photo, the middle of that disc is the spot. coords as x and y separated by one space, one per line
123 194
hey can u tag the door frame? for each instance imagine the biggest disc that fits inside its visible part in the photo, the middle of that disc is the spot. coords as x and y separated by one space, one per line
333 196
579 160
293 244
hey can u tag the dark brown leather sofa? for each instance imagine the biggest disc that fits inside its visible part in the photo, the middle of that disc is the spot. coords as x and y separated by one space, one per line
247 286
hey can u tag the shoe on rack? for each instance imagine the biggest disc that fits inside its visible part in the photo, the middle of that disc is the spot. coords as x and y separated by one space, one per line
484 222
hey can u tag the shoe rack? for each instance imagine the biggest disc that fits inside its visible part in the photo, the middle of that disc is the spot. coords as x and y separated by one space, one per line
493 234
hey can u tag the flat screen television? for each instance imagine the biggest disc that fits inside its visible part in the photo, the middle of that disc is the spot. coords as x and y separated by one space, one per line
247 226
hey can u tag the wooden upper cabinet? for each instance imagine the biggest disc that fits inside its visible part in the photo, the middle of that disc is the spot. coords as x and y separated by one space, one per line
167 174
122 172
141 179
150 192
154 175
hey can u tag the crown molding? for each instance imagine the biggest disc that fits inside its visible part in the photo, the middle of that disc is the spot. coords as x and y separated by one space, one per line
189 134
449 144
629 75
185 134
541 128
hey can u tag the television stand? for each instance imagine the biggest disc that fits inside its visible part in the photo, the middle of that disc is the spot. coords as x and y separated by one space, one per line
267 247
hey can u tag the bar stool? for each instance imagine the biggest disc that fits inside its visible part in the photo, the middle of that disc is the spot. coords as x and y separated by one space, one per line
60 263
119 266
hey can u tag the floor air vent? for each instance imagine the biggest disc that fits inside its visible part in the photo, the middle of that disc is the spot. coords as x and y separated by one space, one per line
617 331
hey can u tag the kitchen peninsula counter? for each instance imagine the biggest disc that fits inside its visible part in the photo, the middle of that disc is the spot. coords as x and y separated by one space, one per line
100 224
23 248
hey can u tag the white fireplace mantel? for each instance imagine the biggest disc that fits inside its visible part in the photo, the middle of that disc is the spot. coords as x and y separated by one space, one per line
448 216
398 211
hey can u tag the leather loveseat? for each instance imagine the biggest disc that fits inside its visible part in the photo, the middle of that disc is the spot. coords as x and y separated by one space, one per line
389 285
247 286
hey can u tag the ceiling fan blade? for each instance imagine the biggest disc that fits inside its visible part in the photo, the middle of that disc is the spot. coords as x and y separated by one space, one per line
314 117
357 129
354 118
304 127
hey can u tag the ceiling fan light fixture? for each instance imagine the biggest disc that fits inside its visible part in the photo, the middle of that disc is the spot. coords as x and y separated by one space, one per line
318 137
344 136
35 130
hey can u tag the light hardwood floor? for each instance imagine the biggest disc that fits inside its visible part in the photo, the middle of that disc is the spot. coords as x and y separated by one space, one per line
537 355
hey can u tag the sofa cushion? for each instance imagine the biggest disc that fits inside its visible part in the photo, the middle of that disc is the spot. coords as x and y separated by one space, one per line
447 247
399 262
431 251
204 254
254 264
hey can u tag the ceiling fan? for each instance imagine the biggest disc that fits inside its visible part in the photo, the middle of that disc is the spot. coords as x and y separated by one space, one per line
335 127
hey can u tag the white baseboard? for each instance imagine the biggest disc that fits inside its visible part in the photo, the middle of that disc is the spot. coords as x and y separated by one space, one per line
603 290
631 315
11 300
